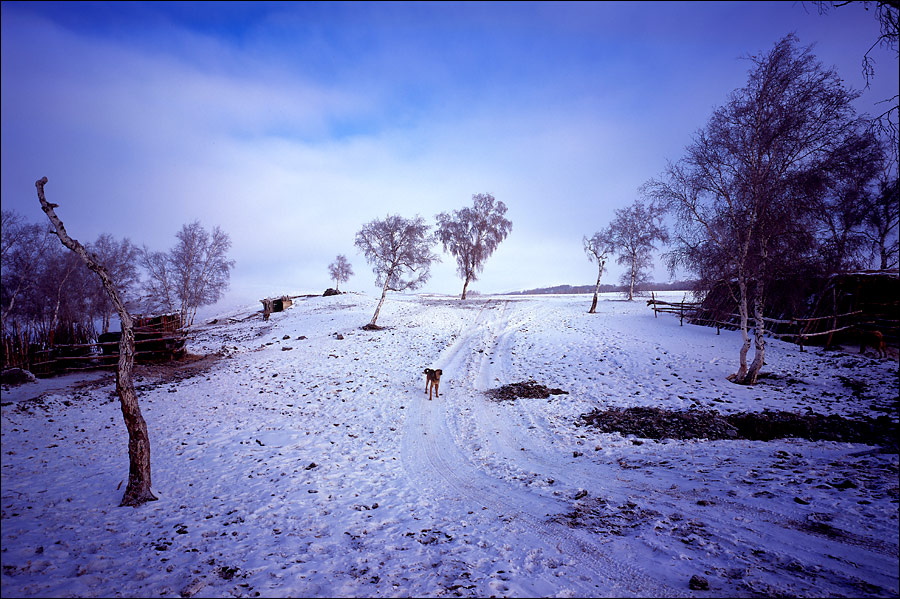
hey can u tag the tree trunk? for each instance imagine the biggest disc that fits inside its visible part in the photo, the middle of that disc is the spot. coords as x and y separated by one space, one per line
633 277
759 331
745 334
465 286
596 288
138 490
380 302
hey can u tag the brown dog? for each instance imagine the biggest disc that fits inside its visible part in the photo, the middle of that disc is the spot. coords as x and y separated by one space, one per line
873 339
432 379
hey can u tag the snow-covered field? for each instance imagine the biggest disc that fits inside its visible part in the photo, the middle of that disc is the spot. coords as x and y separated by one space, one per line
308 461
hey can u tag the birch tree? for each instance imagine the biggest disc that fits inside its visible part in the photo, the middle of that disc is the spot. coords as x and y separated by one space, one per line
472 234
23 248
399 251
634 231
121 259
735 192
598 248
138 490
192 274
340 271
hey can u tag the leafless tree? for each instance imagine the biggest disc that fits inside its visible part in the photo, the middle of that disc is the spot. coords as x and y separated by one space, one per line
120 258
886 13
138 491
399 251
841 192
634 231
883 220
340 270
194 273
472 234
735 191
24 246
598 248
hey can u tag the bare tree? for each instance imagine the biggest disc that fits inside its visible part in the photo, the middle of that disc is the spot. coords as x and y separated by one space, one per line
24 246
120 258
598 248
735 191
138 490
472 234
886 13
159 284
883 222
841 193
194 273
399 251
340 270
634 232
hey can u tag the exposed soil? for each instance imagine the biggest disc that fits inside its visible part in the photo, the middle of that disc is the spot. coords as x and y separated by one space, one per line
656 423
527 389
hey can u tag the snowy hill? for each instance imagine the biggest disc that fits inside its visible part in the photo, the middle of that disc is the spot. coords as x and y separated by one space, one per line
302 458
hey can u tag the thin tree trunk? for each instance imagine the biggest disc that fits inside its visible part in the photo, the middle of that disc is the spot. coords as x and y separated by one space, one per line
597 287
743 310
380 302
138 490
759 331
633 276
465 286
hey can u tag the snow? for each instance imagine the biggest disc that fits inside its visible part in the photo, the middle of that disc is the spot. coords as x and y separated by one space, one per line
300 463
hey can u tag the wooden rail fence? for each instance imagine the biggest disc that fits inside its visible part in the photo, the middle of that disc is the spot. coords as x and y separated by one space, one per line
797 330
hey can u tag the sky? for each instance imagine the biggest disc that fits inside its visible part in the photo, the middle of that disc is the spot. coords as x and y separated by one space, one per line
291 125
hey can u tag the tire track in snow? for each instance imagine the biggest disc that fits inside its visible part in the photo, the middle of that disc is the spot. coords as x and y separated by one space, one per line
431 456
724 525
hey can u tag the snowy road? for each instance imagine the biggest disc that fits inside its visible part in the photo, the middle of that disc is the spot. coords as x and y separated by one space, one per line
308 461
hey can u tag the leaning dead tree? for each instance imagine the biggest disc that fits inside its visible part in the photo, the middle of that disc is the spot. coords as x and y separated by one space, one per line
138 490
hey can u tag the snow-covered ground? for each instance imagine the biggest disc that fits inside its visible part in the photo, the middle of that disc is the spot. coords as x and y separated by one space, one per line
308 461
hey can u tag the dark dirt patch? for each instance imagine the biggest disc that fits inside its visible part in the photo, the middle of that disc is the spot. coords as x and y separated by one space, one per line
527 389
656 423
372 327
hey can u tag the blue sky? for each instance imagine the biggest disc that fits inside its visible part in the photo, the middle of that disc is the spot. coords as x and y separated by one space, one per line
292 124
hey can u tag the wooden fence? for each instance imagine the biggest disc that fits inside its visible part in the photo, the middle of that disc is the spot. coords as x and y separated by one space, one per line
796 330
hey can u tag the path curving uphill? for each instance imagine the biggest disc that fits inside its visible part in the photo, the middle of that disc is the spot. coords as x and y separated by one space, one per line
441 463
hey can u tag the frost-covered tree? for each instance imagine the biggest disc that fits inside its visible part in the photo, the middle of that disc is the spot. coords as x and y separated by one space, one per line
635 232
598 248
192 274
399 251
472 234
340 271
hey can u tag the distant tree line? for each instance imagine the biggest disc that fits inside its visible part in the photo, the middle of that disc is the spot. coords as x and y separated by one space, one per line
681 285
